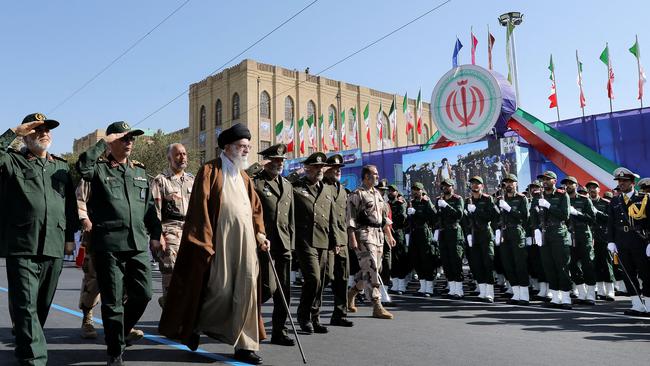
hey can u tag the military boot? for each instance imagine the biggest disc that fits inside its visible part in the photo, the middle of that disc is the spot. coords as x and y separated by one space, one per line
352 295
378 310
87 325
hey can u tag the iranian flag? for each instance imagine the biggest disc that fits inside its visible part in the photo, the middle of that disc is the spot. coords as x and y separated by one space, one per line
278 131
418 105
407 114
366 120
321 130
301 133
335 146
491 41
553 97
604 57
583 101
392 117
290 144
355 127
380 130
474 44
344 135
312 131
636 51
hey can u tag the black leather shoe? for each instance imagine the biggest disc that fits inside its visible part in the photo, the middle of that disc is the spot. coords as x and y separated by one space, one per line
282 340
566 306
306 326
193 342
319 328
247 356
341 322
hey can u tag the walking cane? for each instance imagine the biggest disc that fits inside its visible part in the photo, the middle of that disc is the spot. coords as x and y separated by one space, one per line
286 306
636 291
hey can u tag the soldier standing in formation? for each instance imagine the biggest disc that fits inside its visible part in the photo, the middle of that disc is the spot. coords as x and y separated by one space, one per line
121 208
400 257
39 229
314 239
423 252
276 194
450 208
602 259
367 224
171 192
338 262
534 233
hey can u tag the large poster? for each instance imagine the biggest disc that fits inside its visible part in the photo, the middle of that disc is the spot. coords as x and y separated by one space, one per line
491 160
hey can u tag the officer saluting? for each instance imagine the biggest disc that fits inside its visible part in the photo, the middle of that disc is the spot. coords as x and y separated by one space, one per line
628 230
42 217
122 211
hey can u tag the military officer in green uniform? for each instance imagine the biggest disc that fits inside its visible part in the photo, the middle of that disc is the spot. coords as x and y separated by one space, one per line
276 194
124 218
583 215
514 218
400 266
450 208
628 236
555 239
481 212
39 227
339 266
602 259
534 236
423 253
314 215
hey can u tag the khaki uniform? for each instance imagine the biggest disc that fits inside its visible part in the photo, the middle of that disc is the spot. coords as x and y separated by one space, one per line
89 296
171 195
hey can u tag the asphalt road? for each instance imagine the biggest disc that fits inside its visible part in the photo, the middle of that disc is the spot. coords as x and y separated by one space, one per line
433 331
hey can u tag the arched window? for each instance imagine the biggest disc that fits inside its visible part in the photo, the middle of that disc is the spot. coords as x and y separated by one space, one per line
218 113
265 105
202 118
425 133
411 136
386 133
288 110
235 106
351 128
311 109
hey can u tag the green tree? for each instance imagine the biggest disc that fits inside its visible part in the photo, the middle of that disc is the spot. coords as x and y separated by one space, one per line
152 152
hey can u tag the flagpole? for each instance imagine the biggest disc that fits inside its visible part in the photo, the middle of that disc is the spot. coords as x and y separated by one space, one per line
580 85
609 68
557 105
638 65
489 50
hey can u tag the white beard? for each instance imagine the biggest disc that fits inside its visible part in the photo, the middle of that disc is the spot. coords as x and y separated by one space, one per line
36 146
240 162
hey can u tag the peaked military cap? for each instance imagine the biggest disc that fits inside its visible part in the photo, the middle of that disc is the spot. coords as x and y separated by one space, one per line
317 158
547 174
393 187
592 183
624 173
335 160
120 127
49 123
232 134
645 182
418 186
510 177
535 183
274 152
568 179
447 182
476 179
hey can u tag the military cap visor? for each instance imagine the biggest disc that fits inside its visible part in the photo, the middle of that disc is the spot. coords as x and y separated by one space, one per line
121 127
476 179
547 174
645 182
392 187
535 183
592 183
510 178
40 117
276 151
335 160
418 186
447 182
624 174
569 179
317 158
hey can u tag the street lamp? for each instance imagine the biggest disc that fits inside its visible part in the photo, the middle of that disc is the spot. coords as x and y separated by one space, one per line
513 19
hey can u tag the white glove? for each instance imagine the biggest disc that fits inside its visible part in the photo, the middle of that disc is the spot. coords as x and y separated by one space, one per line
410 211
529 241
497 237
469 240
573 211
538 237
435 235
647 251
504 205
471 208
442 203
612 248
544 203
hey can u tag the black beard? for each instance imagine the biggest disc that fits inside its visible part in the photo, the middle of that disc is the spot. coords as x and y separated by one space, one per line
509 189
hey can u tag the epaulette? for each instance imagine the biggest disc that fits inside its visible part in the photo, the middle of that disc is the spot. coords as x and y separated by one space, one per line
456 196
102 159
605 199
58 158
138 164
485 195
520 194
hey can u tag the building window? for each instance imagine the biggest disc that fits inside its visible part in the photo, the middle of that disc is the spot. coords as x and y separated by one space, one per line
265 105
202 118
411 137
218 114
235 106
385 131
288 110
311 109
351 132
425 132
202 157
264 145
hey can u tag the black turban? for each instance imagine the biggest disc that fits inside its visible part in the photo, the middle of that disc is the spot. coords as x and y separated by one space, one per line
234 133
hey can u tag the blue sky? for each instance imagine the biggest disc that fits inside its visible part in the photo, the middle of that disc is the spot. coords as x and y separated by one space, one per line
51 48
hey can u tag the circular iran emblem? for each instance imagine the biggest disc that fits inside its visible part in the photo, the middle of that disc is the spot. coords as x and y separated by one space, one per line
466 103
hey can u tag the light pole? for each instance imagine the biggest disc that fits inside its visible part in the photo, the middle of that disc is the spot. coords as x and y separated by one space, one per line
513 19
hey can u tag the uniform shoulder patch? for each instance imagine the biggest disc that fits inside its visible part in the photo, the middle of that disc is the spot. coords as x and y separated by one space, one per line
138 164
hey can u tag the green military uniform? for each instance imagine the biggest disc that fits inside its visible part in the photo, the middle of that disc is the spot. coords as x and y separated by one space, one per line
514 220
314 216
451 239
582 216
122 211
276 195
602 259
535 264
41 215
556 242
400 266
423 253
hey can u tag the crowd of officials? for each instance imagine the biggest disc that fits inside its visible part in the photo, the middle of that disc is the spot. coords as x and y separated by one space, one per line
233 237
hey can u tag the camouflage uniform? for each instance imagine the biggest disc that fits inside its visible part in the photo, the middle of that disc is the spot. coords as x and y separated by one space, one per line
89 296
171 195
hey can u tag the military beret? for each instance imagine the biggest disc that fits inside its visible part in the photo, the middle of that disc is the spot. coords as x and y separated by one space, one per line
274 152
624 173
418 186
447 182
317 158
393 187
568 179
592 183
49 123
510 177
476 179
335 160
121 127
645 182
232 134
547 174
609 194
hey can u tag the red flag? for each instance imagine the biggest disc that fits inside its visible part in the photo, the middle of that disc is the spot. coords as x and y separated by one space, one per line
553 96
474 43
490 46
